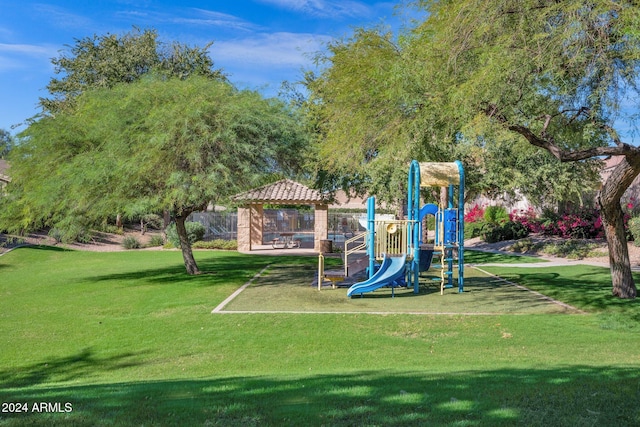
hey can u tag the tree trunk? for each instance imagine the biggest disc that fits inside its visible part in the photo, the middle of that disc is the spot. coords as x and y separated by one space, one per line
620 265
613 222
444 197
185 246
119 221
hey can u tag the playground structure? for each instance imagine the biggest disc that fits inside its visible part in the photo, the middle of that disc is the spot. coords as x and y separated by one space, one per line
399 250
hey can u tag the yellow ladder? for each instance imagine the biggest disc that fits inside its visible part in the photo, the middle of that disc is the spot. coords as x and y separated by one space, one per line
446 255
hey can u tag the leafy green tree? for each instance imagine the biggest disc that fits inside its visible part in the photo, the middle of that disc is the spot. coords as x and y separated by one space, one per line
363 112
516 168
553 74
102 61
153 145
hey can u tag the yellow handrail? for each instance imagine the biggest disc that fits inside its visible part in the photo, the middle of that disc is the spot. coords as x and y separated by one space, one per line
348 251
320 270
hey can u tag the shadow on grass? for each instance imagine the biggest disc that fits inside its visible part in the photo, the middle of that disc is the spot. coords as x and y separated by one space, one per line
579 395
77 366
44 248
216 267
585 287
481 295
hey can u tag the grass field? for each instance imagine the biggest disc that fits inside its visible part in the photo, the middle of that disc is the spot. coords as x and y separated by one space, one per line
127 338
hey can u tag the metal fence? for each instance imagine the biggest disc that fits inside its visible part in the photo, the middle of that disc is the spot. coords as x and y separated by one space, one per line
224 225
217 225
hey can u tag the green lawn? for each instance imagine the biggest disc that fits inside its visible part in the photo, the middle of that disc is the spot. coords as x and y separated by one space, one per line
478 257
127 338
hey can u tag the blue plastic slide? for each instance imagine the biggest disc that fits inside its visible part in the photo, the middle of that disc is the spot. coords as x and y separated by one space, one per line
392 269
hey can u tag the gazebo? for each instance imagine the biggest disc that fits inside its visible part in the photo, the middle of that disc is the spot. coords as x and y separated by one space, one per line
283 192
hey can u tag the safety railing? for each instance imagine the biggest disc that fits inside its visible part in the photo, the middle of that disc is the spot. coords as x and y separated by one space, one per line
355 246
393 237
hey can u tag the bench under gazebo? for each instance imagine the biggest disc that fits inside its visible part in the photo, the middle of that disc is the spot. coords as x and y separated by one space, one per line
283 192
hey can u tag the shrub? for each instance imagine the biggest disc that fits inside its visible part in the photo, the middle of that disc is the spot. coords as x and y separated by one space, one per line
217 244
581 224
152 221
528 218
572 249
584 224
130 242
509 230
473 229
634 229
111 229
524 245
156 240
496 215
195 232
56 234
69 233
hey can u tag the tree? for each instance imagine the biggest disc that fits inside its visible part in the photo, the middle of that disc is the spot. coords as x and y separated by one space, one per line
156 144
102 61
6 143
373 95
359 106
553 74
515 168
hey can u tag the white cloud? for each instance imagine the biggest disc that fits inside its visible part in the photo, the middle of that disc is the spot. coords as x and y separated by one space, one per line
22 56
194 16
61 18
219 19
323 8
26 49
268 50
7 64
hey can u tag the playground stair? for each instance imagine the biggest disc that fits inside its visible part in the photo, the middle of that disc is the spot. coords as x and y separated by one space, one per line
350 273
445 252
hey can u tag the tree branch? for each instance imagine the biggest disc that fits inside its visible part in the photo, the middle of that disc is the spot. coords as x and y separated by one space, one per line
620 149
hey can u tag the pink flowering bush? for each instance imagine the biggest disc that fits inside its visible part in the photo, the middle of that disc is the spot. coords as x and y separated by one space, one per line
582 224
475 214
528 218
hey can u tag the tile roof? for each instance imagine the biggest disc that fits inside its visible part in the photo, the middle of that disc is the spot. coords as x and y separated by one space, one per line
284 191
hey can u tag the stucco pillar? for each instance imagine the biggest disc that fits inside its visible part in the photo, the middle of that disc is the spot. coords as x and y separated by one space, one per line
321 225
244 229
256 224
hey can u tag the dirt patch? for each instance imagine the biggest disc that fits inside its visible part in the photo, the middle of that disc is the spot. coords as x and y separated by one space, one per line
101 242
537 241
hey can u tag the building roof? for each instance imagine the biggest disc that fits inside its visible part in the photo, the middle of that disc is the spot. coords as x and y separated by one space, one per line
284 191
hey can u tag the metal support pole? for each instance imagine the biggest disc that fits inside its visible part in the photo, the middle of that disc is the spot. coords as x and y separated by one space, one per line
460 227
371 228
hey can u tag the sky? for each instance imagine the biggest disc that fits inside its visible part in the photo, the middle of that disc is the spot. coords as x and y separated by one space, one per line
258 43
